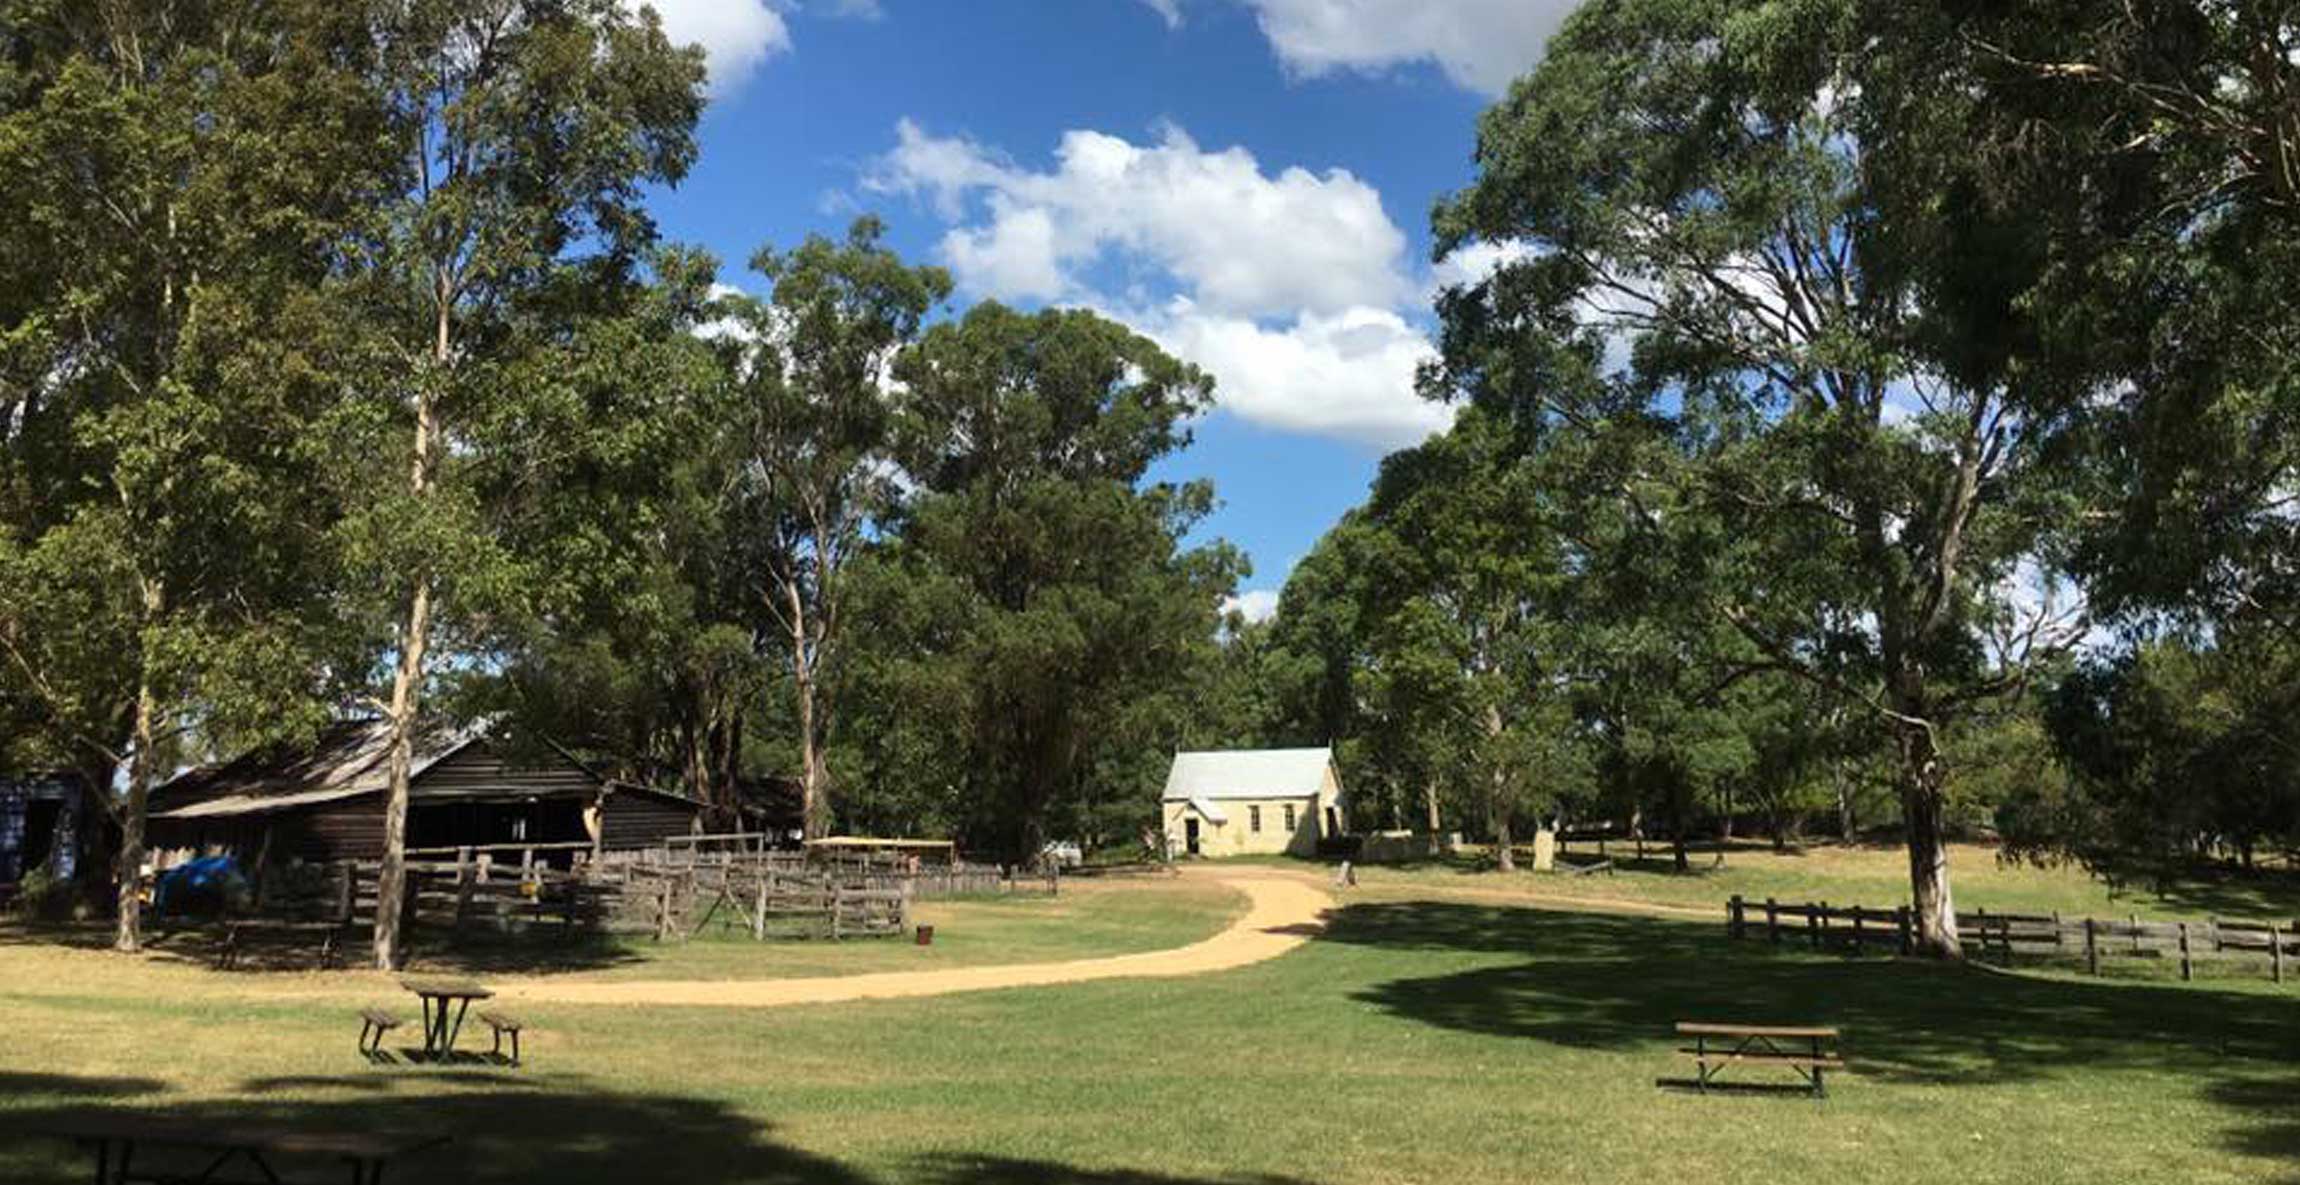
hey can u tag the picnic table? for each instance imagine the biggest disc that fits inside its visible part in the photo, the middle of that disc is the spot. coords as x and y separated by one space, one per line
444 1003
115 1138
1800 1049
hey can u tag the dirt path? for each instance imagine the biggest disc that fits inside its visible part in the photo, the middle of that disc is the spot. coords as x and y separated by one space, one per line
1283 912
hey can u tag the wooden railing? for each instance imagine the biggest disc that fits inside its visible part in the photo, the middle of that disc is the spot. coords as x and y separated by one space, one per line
1855 928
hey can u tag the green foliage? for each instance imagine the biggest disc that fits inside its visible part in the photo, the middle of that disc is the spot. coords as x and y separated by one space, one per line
1035 604
2180 753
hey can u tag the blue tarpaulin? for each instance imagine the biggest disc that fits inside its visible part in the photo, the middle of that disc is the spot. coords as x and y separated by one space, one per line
205 880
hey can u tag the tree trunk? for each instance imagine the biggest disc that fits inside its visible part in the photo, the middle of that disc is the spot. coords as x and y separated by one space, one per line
128 934
1924 803
812 807
406 704
1848 829
1430 807
1498 806
407 675
814 810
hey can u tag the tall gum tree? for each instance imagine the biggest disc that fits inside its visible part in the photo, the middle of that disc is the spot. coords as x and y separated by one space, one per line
1750 224
814 470
527 131
1062 593
178 180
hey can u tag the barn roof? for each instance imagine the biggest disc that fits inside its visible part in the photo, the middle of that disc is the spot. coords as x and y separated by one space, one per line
349 758
352 758
1248 773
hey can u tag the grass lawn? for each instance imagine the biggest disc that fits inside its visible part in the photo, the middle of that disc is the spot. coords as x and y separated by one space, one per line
1865 875
1417 1041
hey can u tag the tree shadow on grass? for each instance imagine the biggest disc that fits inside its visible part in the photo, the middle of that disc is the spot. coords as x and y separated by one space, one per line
14 1084
564 1130
2276 1135
270 946
1621 983
1609 982
993 1170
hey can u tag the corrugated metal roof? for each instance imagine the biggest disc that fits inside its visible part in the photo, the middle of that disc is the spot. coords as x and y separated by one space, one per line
1247 773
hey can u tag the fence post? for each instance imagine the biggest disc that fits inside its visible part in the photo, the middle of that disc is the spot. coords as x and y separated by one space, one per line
1901 920
838 908
1772 922
1860 936
1733 916
759 914
2275 953
1817 924
2135 919
2186 972
2091 949
462 884
2057 935
1981 923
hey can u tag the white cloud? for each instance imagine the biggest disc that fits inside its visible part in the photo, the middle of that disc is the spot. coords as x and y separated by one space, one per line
1480 44
1255 604
1170 10
1291 288
1015 257
1348 374
1239 240
1473 262
718 327
736 35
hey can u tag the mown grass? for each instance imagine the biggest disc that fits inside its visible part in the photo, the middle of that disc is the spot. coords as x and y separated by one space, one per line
1870 875
1417 1041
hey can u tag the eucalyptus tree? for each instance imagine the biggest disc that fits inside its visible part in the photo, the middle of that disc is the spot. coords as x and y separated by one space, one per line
1043 580
2159 144
814 471
526 132
1758 226
178 181
1467 573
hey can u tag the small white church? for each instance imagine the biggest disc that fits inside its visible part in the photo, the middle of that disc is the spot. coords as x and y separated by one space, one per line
1238 802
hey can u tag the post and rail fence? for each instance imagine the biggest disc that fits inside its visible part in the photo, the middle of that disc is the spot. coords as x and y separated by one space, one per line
1857 929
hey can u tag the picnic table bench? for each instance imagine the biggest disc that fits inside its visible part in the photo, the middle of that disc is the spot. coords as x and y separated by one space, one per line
1805 1050
502 1023
115 1139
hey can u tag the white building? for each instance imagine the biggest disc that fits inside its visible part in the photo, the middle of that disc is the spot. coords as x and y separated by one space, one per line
1241 801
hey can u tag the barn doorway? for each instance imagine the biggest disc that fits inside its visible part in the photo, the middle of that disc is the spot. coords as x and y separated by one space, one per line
1190 836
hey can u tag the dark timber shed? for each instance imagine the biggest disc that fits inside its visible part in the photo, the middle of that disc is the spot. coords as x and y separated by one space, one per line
325 801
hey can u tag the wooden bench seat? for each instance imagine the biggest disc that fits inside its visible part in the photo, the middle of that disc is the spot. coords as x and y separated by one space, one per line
374 1023
1803 1050
1797 1060
501 1023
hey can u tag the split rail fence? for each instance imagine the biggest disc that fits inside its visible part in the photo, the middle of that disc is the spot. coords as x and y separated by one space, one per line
1857 929
670 891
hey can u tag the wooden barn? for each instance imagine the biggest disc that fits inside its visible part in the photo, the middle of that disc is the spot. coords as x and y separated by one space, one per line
325 802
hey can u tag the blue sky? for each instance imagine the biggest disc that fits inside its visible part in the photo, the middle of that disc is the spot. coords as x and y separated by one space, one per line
1246 181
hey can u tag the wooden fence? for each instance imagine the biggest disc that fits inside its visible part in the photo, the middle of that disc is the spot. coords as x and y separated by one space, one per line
875 870
1855 929
671 891
758 897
